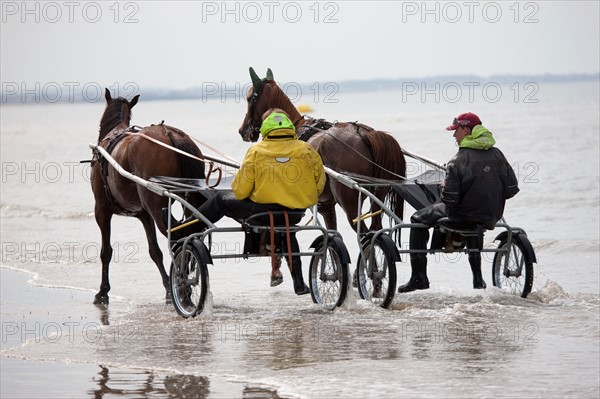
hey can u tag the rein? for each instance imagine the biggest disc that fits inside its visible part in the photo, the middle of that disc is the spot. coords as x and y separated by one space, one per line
325 126
211 165
365 158
320 125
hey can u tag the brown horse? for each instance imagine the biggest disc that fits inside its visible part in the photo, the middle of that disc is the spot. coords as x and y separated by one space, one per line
344 147
116 195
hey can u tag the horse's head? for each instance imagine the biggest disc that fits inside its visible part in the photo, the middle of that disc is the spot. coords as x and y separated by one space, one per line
117 111
258 98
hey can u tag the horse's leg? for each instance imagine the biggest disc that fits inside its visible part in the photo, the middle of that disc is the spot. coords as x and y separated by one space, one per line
348 200
103 218
155 253
326 206
276 276
327 210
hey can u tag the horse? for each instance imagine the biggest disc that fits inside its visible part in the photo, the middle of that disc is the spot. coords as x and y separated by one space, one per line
117 195
344 147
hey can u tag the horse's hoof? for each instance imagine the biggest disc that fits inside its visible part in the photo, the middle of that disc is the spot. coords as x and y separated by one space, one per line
101 299
276 280
302 290
479 285
168 298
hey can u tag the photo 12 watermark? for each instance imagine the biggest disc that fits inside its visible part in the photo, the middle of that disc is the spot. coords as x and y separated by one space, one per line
526 172
67 332
253 12
64 92
45 172
54 12
66 252
453 12
469 91
470 333
317 92
291 332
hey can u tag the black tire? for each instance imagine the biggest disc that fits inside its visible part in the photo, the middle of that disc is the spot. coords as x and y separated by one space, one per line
518 277
189 281
329 279
376 281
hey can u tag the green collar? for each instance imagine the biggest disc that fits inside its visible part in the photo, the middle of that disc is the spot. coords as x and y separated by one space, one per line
479 139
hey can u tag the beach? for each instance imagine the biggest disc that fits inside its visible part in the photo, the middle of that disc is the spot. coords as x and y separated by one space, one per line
254 341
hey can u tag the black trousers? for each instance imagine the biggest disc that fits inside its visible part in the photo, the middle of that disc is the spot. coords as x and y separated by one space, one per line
419 238
226 204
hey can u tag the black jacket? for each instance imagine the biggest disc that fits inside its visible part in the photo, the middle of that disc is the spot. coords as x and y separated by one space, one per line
478 183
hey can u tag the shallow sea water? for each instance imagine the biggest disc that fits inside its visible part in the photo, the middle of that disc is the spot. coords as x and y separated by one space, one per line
449 341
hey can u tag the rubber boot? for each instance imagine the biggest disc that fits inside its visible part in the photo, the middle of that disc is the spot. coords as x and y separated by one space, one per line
418 279
475 262
300 288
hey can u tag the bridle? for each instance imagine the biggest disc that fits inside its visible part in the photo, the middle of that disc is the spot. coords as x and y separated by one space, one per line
255 118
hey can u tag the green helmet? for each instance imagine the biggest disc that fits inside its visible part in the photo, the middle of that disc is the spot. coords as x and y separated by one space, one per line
274 121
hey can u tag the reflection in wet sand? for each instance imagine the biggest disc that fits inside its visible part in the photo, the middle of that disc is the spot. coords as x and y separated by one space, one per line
132 383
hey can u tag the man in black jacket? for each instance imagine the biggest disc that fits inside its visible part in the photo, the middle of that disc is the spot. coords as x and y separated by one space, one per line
478 181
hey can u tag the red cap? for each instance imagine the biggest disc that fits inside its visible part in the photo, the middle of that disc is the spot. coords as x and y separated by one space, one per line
469 119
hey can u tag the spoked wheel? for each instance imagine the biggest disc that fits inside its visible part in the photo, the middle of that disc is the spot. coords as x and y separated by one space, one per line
516 277
376 277
189 281
328 277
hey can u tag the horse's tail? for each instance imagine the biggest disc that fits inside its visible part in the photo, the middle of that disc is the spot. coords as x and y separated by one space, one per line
190 167
391 164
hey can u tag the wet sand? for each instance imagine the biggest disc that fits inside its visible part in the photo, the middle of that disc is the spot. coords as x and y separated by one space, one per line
32 313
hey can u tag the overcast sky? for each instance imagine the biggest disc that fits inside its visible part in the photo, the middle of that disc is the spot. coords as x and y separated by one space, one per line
183 44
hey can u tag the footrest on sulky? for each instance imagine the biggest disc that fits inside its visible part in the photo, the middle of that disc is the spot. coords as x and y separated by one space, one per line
454 231
264 232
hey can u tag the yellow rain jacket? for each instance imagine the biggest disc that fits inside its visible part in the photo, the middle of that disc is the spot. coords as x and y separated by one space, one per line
281 170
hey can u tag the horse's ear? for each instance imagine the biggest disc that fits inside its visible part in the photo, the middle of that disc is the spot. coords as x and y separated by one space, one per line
134 101
107 95
269 74
255 79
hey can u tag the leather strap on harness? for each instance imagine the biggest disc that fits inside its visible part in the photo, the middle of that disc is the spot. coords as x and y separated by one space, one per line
287 237
211 164
211 169
272 234
113 140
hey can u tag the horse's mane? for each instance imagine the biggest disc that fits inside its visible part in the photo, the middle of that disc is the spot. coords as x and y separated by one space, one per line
278 99
116 112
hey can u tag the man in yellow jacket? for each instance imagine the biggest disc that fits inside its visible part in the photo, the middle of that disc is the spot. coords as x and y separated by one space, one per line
279 173
280 169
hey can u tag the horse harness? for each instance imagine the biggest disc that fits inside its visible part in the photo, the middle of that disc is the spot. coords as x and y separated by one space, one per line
305 132
308 130
113 141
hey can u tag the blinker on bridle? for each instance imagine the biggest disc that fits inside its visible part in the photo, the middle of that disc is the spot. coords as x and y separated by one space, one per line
255 93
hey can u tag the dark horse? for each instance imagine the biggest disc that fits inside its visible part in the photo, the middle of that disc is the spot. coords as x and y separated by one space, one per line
344 147
117 195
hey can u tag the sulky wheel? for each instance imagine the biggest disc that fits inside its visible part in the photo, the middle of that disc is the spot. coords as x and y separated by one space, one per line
376 278
517 276
189 281
329 276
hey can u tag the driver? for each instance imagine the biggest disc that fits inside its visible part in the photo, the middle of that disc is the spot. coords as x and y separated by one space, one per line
478 181
279 173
